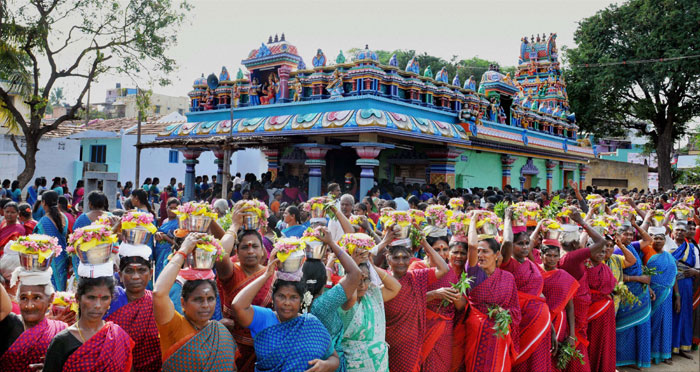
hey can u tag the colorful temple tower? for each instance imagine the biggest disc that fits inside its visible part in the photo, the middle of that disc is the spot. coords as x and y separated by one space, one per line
362 120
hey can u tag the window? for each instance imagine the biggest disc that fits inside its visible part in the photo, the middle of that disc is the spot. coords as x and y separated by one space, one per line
157 110
173 156
98 153
180 111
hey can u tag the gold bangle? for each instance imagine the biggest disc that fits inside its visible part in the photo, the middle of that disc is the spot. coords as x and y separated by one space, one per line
384 277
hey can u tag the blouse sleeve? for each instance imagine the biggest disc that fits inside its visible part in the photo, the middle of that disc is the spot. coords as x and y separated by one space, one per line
262 318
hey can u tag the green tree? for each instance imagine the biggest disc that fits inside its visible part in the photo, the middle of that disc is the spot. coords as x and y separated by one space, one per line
657 99
95 37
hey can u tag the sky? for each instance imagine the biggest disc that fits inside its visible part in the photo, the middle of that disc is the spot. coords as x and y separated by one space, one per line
222 33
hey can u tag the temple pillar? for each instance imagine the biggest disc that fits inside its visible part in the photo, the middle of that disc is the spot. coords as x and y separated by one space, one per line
368 152
550 165
219 153
315 160
283 74
190 162
442 164
506 165
272 161
582 171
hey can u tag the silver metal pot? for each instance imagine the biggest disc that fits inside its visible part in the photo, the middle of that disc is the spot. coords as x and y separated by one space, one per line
294 262
95 256
30 262
552 234
251 221
201 260
315 249
489 229
136 236
195 223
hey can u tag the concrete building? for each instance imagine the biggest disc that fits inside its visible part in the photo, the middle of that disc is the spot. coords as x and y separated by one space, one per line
121 103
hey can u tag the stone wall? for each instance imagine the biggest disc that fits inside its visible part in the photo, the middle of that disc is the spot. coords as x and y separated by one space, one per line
611 174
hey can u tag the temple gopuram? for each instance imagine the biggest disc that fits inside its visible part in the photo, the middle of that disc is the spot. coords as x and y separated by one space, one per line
359 118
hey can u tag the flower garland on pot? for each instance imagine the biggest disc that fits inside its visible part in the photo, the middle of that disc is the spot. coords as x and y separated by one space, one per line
437 215
286 246
43 246
132 219
356 241
89 237
195 209
459 225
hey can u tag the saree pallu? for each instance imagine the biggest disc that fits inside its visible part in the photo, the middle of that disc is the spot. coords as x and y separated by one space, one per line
559 288
696 314
535 324
208 350
633 327
436 352
601 319
10 232
662 307
109 350
162 247
683 321
136 318
30 347
289 346
363 342
59 264
483 350
245 352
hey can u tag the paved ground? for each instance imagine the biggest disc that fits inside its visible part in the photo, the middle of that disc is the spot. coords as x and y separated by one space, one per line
679 365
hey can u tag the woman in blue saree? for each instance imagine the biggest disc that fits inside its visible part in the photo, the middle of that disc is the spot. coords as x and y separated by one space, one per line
284 339
292 217
683 291
97 205
662 306
55 224
632 326
165 236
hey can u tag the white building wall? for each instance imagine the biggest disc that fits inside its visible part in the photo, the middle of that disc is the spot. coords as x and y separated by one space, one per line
56 158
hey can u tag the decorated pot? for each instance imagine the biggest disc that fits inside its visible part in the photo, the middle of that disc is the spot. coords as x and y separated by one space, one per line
318 212
552 234
602 230
96 255
57 310
315 249
683 216
201 259
136 236
30 262
195 223
569 233
294 262
402 232
251 221
489 229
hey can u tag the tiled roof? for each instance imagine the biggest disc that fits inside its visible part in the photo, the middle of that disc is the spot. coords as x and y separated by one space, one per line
69 128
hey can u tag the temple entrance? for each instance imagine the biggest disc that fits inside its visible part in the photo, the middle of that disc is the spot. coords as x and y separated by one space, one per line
338 163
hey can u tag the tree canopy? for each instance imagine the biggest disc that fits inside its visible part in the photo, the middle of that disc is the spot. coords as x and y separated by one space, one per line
95 37
616 79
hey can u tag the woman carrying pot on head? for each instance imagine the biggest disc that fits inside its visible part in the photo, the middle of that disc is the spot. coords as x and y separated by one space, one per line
326 303
132 306
285 340
29 333
191 341
97 204
662 306
493 296
91 343
55 224
536 337
443 301
233 277
406 313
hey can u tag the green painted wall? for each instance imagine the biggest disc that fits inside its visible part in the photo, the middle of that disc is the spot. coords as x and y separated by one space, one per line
112 155
481 169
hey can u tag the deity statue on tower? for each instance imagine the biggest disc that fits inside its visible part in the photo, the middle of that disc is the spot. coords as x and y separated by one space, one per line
335 87
319 59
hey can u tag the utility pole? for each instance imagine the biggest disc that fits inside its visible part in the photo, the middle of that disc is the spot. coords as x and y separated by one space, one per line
138 151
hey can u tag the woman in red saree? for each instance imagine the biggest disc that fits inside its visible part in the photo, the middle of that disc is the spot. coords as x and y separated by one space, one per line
406 313
91 344
29 335
436 352
10 228
574 262
559 290
233 277
535 326
601 315
486 350
132 309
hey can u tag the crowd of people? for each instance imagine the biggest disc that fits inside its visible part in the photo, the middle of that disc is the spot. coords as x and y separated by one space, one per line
409 278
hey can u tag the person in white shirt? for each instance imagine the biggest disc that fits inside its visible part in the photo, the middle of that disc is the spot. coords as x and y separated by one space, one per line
347 201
